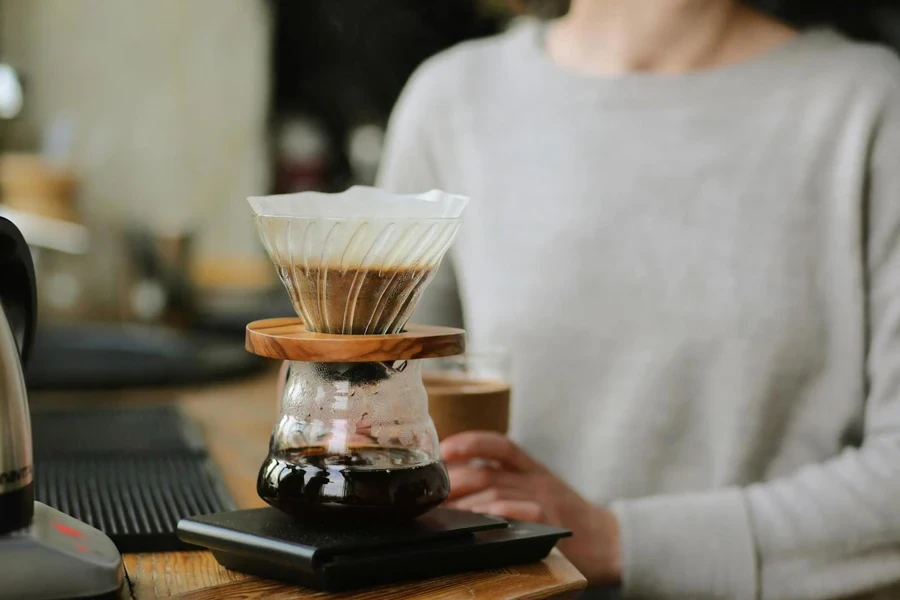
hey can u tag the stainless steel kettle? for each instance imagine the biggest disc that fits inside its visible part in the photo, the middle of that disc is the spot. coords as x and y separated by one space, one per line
36 539
18 317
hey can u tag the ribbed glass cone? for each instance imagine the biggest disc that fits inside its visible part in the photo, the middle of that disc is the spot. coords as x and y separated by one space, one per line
353 263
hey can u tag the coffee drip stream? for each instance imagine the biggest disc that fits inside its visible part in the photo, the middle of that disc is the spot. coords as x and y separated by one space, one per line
354 440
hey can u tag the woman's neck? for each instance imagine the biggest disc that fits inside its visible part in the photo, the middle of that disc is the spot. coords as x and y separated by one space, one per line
610 37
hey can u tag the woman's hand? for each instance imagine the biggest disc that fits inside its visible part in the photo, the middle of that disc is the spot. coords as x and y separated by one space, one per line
508 483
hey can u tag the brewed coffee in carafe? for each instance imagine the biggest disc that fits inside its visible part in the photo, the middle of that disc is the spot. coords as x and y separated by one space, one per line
354 439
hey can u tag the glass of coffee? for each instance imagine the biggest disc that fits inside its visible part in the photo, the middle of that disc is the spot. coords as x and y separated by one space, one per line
470 392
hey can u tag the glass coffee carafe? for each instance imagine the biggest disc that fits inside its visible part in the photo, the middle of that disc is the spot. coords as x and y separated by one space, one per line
354 438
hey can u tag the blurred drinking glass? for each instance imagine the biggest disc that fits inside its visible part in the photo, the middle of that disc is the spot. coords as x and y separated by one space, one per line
470 392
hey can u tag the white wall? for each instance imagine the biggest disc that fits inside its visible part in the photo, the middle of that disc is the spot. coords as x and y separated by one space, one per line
169 98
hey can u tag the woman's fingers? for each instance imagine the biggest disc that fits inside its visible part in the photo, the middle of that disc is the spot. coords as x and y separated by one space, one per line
521 510
490 495
486 445
471 479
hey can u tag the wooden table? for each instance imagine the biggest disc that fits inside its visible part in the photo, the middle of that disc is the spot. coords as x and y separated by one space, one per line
237 420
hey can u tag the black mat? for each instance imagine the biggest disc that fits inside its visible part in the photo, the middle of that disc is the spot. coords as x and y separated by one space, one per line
112 433
92 356
132 473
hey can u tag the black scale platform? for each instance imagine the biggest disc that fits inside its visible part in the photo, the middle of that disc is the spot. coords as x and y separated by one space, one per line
132 473
268 543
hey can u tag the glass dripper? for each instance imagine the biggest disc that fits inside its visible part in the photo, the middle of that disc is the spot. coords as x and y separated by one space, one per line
357 262
354 439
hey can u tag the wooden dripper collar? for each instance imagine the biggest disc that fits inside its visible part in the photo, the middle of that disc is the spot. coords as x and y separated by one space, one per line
288 339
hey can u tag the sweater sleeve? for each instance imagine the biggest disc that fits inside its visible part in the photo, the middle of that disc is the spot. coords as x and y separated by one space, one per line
829 530
409 165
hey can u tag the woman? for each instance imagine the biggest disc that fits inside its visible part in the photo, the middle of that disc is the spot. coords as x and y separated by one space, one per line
686 224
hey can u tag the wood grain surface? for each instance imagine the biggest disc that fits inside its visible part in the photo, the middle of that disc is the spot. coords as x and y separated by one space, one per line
236 420
288 339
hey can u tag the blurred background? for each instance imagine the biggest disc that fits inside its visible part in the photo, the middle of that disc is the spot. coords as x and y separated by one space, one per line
132 132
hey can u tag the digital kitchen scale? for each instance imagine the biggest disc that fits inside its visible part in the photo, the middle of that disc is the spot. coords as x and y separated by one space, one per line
268 543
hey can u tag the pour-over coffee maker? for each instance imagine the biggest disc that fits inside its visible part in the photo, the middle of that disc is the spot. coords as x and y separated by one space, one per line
353 472
354 440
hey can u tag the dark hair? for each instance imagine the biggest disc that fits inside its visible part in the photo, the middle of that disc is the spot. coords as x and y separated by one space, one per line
547 9
862 19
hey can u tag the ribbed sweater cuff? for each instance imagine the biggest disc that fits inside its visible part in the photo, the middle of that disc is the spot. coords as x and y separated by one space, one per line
687 546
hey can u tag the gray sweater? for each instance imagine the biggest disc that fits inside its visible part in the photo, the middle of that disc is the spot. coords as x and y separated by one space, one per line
698 277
